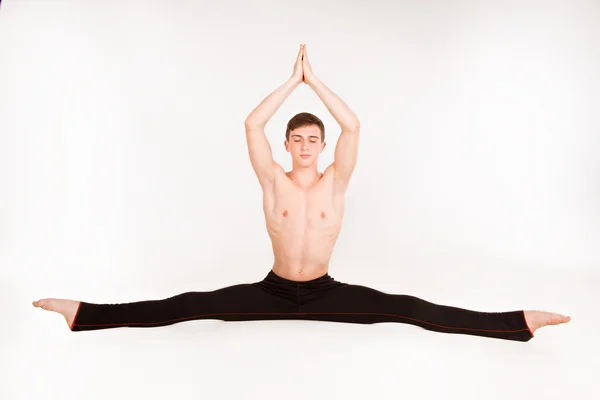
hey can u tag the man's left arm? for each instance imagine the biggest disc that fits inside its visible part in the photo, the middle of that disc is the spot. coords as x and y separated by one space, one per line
346 150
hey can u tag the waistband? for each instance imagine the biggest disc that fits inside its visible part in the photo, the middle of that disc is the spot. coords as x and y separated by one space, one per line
274 278
299 292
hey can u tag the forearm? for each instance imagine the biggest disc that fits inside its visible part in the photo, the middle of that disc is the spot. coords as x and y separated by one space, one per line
339 110
267 108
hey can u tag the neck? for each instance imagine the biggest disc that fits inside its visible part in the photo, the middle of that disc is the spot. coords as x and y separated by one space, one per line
304 176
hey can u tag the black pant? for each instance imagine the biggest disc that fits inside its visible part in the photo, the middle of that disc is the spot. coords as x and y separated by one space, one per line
321 299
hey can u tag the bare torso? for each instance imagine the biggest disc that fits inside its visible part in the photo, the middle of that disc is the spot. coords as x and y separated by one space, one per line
303 225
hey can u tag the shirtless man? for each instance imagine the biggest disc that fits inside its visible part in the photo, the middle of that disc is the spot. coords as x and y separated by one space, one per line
303 210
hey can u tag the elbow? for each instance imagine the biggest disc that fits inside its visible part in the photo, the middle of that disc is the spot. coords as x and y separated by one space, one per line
354 126
249 123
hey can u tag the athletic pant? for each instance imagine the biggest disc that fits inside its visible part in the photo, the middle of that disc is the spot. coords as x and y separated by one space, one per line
320 299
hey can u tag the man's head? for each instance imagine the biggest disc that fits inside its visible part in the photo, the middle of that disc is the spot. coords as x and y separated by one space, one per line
305 134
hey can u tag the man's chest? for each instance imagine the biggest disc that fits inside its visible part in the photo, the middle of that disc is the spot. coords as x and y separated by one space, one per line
312 208
308 205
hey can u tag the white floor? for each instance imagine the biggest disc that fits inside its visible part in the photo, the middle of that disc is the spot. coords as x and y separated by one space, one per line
42 359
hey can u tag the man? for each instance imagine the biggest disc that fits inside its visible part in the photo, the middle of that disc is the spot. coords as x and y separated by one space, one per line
303 210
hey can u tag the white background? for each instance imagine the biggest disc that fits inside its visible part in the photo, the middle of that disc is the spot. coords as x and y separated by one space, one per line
125 176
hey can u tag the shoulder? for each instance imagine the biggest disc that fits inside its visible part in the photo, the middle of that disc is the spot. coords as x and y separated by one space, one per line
340 186
278 168
329 171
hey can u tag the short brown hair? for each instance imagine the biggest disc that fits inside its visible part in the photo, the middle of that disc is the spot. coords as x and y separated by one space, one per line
304 119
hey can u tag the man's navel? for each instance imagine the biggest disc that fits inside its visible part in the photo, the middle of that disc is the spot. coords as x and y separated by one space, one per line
322 214
285 213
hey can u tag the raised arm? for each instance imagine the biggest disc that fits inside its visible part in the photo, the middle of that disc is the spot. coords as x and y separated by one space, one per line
259 149
346 150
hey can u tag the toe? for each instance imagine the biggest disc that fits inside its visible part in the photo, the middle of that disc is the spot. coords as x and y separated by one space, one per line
558 319
44 304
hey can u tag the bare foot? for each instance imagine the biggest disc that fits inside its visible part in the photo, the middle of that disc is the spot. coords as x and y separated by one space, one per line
538 319
68 308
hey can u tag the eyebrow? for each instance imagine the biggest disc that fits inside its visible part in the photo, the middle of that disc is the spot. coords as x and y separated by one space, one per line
316 137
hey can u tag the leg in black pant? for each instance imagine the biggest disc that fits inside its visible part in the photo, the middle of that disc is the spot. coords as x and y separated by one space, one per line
244 302
364 305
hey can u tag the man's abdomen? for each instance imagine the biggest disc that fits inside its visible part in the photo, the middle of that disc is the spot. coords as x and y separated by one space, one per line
303 256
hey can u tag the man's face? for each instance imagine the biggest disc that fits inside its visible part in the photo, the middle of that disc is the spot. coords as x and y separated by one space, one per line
305 141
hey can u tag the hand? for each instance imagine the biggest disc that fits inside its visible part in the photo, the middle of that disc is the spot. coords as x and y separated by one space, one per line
297 75
308 76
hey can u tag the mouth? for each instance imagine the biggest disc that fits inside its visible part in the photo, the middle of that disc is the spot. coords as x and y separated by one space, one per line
304 155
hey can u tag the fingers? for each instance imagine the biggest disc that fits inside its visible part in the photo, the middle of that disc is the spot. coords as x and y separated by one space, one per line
300 52
305 63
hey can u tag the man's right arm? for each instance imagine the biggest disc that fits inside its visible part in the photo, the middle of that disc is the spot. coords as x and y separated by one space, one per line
259 149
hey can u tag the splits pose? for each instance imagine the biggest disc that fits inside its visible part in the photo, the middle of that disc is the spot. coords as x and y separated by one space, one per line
303 210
